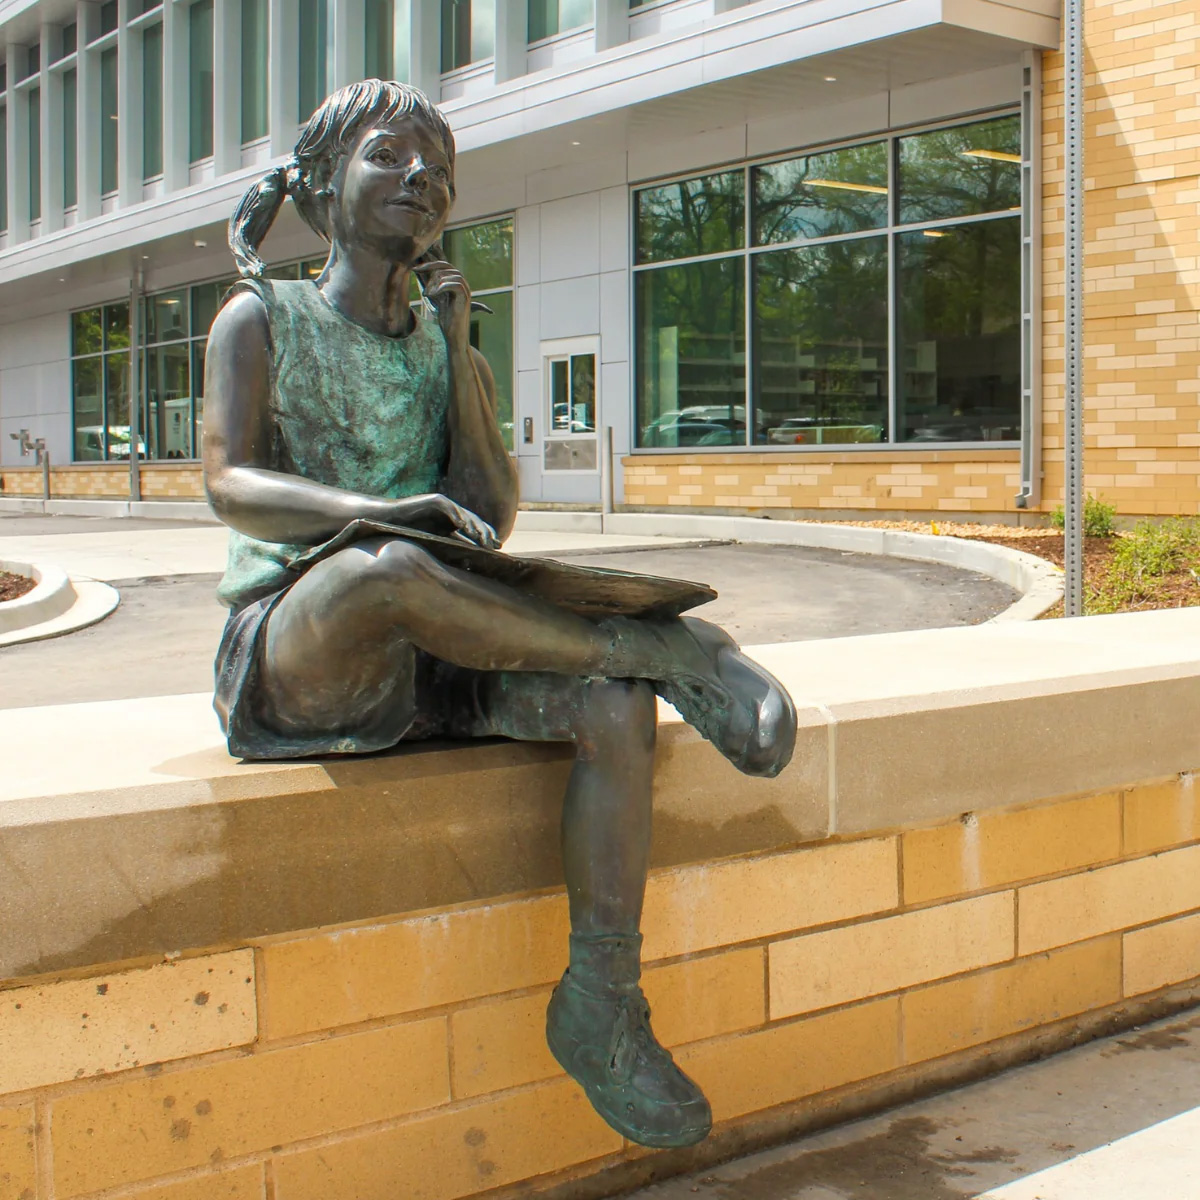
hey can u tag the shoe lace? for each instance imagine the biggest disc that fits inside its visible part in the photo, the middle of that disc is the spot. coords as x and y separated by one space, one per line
632 1040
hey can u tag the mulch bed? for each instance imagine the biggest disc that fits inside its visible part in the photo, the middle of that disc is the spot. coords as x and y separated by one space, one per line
1177 590
12 586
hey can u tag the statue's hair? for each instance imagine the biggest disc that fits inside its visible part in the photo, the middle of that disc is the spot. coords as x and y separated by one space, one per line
307 174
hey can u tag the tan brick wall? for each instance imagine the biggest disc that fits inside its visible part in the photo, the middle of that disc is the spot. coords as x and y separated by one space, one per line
407 1057
945 481
106 481
1142 316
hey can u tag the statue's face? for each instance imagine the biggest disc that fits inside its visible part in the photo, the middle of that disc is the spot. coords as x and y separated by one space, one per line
394 194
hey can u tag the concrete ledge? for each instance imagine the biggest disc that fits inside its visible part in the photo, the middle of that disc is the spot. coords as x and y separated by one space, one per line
896 730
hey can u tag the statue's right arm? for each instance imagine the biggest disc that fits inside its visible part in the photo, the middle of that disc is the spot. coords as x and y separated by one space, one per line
243 489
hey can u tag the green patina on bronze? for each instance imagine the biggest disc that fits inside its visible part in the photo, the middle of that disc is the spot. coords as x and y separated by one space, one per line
349 408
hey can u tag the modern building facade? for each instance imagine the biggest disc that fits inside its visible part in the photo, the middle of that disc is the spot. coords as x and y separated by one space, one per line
799 256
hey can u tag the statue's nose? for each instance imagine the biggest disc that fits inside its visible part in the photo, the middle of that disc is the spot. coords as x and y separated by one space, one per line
417 175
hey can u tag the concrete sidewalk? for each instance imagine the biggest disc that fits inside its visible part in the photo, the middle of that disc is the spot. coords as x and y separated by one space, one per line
129 548
1116 1119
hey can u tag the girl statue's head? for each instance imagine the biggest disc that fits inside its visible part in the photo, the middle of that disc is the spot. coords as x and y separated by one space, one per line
375 163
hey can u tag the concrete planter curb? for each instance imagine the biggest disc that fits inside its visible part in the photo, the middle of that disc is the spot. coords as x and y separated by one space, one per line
52 595
1039 582
56 605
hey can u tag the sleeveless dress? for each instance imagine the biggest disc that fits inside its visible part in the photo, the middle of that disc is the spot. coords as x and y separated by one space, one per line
355 410
367 413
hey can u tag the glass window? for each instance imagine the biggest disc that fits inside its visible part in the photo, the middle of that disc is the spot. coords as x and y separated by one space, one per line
200 79
33 60
88 400
312 268
483 253
3 169
960 333
286 271
821 343
691 350
116 405
35 154
169 401
108 17
550 17
314 49
166 317
100 382
492 335
70 38
85 332
206 303
961 171
378 31
254 69
468 32
692 217
199 350
116 326
820 195
572 395
145 6
152 101
108 120
70 142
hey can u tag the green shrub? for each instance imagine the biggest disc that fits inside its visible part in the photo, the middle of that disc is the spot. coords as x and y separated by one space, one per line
1140 561
1099 519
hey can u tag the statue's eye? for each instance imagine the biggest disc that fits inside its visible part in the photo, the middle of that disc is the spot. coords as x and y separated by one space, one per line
439 172
385 157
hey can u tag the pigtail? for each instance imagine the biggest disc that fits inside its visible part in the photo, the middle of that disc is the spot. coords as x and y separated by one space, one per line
254 216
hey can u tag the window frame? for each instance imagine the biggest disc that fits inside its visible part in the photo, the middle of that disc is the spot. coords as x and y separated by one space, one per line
559 350
892 229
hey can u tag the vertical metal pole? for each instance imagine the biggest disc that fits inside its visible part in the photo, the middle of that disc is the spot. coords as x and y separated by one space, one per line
135 387
1073 498
607 486
44 455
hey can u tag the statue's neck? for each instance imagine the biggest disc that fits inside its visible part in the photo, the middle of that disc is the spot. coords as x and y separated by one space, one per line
369 291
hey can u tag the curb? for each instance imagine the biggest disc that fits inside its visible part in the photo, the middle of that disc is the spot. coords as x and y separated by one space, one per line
1039 582
52 595
163 510
56 605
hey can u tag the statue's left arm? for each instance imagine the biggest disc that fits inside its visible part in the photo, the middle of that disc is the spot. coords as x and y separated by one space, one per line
480 473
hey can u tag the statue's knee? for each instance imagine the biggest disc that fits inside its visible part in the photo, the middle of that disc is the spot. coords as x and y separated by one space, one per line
397 561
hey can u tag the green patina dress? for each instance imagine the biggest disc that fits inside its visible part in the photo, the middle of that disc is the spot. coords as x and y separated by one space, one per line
367 413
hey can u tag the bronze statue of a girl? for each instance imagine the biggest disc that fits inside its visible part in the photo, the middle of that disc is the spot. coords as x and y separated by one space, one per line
351 445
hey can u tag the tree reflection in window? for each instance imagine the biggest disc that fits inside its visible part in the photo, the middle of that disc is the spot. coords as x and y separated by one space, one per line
962 171
691 217
821 195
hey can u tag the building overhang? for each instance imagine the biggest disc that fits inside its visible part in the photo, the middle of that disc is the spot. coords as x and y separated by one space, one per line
721 65
759 61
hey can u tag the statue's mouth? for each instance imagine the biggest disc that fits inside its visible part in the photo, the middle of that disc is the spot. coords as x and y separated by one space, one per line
409 203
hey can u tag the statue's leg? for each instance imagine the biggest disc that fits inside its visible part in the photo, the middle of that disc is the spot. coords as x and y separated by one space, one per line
333 641
598 1022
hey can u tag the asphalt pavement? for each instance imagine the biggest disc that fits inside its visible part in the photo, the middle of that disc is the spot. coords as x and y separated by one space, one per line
162 637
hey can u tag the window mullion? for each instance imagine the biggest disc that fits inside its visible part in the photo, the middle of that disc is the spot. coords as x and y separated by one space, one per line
893 296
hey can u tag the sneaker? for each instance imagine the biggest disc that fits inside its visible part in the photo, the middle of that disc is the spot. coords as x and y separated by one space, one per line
603 1040
699 669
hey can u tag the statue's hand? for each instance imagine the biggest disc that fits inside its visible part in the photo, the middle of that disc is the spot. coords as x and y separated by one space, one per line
446 289
442 511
